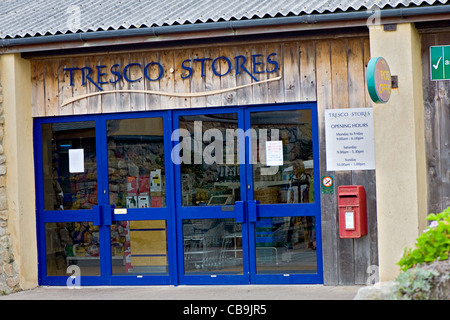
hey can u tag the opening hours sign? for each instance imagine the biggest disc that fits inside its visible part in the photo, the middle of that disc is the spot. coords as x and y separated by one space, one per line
349 139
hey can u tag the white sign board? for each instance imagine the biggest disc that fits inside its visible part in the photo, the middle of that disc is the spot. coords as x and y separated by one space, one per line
349 220
274 153
76 160
349 139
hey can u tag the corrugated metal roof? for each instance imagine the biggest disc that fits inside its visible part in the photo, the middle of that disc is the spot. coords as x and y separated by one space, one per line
20 18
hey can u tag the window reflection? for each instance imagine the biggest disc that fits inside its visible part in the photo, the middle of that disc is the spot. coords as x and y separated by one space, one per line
66 187
139 247
72 243
286 245
210 169
136 163
291 182
212 246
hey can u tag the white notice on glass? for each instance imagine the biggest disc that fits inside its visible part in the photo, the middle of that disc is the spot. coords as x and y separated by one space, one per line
76 160
274 153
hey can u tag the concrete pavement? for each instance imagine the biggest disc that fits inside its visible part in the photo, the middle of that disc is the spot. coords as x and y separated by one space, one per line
237 292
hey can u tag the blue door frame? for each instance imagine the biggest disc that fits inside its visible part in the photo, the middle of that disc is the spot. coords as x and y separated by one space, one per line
236 211
247 211
256 211
103 214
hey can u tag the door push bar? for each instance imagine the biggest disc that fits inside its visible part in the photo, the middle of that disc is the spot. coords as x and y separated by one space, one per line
253 210
239 209
102 214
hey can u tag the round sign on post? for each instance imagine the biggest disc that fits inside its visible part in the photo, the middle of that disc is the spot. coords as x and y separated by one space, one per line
379 80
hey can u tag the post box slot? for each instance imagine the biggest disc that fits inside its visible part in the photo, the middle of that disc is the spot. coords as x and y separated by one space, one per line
348 200
348 203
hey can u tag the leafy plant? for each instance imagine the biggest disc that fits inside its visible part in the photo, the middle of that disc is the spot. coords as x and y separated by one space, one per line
433 244
414 284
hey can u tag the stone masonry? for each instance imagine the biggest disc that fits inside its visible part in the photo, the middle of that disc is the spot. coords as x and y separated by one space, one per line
9 279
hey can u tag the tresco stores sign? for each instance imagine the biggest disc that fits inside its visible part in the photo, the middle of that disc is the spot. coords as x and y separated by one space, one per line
379 82
102 74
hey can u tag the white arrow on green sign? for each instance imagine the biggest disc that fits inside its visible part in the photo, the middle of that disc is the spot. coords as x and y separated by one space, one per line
440 62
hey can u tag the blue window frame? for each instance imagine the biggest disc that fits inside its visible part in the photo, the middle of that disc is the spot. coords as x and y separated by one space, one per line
279 240
267 218
82 223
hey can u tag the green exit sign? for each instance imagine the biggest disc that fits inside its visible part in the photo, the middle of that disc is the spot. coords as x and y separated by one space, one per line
440 62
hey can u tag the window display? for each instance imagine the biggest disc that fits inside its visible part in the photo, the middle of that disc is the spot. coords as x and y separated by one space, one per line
291 182
286 244
136 163
64 187
212 245
210 166
139 247
72 243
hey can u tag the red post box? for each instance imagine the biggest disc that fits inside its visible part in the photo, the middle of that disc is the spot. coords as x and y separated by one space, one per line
352 211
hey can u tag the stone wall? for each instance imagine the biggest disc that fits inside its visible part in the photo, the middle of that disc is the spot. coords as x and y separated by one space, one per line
9 279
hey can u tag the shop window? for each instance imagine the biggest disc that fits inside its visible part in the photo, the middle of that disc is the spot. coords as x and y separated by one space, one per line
72 243
210 171
291 181
69 165
136 163
212 245
139 247
286 244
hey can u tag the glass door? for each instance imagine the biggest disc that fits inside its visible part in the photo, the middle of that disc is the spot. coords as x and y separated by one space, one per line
210 186
68 185
247 207
104 208
139 199
228 197
283 200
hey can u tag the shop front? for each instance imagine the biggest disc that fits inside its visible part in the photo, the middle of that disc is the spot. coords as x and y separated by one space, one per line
199 165
190 151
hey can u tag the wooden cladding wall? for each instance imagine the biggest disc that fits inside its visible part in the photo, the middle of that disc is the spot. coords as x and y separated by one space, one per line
329 71
437 127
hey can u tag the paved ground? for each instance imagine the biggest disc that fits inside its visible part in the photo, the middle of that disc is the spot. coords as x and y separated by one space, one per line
248 292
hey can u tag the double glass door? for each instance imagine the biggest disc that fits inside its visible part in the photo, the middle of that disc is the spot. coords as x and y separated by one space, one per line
248 210
104 212
180 197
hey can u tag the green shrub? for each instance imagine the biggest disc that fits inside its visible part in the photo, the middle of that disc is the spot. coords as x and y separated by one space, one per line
414 284
433 244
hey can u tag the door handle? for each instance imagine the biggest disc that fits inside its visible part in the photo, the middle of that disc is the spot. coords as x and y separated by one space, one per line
253 210
239 211
107 214
96 219
102 215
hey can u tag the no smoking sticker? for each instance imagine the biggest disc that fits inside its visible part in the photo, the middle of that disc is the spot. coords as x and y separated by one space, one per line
327 184
327 181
